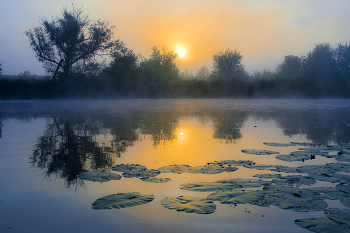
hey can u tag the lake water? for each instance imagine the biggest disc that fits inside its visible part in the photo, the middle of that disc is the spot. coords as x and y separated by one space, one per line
45 145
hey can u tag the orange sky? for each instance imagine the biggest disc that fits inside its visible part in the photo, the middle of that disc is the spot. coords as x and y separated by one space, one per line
264 31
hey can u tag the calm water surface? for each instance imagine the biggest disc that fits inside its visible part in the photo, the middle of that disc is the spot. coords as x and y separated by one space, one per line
44 145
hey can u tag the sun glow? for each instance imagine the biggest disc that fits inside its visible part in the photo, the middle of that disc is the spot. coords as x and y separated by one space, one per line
181 52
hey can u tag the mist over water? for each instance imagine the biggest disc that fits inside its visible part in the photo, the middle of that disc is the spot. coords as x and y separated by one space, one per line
46 144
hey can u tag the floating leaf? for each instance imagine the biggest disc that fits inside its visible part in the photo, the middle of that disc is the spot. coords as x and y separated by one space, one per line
156 180
343 188
221 185
342 216
322 225
295 180
141 174
176 169
299 200
305 144
209 186
323 193
121 200
128 168
345 201
267 176
214 169
278 144
236 196
189 204
259 152
234 162
286 169
293 158
99 176
260 166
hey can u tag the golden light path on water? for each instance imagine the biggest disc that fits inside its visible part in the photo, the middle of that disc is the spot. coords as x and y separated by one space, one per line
194 145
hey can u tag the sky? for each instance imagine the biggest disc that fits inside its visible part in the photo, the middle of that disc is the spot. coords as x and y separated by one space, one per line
263 31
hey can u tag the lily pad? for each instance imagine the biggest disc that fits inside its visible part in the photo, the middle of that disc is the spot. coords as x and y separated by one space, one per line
237 196
234 162
176 169
299 200
222 185
335 214
343 188
121 200
189 204
324 193
214 169
141 174
322 225
209 186
305 144
267 176
259 152
286 169
128 168
99 176
345 201
293 158
156 180
295 180
260 166
278 144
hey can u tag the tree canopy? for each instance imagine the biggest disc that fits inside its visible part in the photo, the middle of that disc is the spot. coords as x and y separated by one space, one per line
228 64
62 42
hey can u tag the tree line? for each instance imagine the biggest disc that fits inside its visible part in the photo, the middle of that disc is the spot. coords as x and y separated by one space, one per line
82 60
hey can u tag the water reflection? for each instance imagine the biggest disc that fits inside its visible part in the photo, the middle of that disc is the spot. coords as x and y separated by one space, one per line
83 137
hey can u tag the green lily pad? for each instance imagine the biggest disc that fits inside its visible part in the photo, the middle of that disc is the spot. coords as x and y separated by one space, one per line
299 200
176 169
324 193
343 188
278 144
343 158
209 186
305 144
121 200
135 170
141 174
293 158
129 168
213 169
322 225
259 152
286 169
260 166
189 204
267 176
99 176
335 214
221 185
156 180
295 180
234 162
345 201
237 196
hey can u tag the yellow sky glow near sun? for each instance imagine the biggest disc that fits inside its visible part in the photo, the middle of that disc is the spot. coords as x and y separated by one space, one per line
263 31
201 30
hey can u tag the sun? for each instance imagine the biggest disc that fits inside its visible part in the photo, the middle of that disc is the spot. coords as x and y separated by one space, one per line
181 51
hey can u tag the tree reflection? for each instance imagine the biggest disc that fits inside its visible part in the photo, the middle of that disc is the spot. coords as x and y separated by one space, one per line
227 125
70 147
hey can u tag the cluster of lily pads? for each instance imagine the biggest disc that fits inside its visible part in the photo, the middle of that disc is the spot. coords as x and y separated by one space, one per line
312 150
285 192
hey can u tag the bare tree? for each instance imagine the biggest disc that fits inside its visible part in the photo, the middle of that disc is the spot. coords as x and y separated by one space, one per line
62 42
